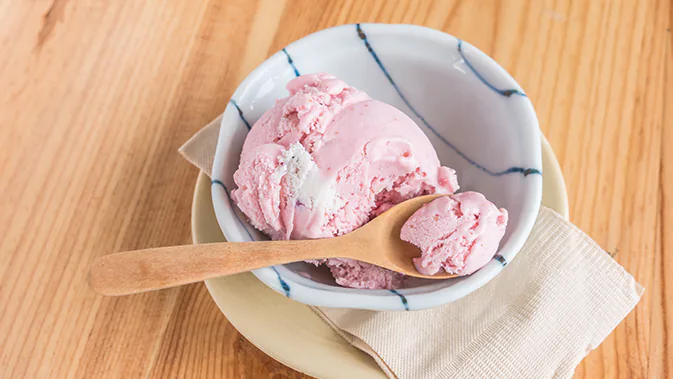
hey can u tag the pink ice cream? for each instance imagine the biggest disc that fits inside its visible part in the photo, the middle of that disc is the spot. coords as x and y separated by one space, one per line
328 158
458 234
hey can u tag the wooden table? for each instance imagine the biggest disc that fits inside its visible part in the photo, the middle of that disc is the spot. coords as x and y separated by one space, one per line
98 95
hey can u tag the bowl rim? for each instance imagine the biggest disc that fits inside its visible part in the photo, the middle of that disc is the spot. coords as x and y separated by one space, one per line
313 293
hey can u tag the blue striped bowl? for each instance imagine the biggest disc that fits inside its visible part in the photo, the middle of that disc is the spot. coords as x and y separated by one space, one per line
479 120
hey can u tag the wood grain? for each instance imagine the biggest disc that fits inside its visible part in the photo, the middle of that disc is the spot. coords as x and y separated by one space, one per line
97 97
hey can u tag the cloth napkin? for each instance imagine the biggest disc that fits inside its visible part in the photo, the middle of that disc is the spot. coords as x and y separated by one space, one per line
558 300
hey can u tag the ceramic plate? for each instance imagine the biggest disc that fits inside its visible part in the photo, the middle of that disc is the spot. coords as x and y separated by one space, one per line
289 331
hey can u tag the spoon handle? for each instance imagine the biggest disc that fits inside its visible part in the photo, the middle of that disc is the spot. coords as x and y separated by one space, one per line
164 267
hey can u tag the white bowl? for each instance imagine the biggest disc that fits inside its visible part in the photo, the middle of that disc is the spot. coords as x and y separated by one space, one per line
475 114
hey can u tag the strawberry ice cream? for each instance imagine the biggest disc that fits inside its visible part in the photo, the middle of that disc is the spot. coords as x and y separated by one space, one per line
328 158
458 234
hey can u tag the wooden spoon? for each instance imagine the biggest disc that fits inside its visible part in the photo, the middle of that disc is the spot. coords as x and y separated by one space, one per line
377 242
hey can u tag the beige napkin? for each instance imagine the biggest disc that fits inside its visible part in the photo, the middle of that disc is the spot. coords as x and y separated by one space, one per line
554 303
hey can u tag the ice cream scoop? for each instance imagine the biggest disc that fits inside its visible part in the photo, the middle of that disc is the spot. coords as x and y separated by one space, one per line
377 242
457 234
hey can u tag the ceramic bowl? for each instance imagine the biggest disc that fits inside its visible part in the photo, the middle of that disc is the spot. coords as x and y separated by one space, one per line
477 117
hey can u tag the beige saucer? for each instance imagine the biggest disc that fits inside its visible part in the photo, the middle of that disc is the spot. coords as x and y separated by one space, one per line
289 331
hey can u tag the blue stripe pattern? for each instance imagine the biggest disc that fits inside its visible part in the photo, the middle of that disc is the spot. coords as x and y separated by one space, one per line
402 298
283 283
500 259
291 62
240 113
524 171
503 92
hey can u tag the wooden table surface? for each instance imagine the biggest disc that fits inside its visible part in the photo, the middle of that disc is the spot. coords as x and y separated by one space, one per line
98 95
